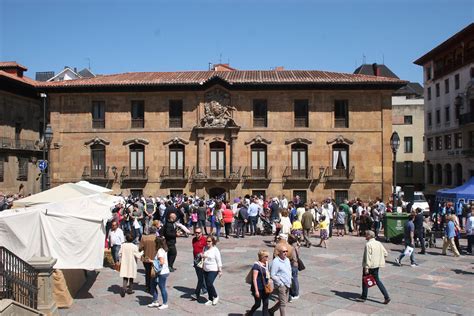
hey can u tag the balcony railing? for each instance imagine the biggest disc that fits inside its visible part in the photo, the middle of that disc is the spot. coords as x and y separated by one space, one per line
340 174
208 173
466 118
176 122
251 174
259 121
96 174
138 123
96 123
21 144
298 174
301 121
168 173
341 122
18 279
134 174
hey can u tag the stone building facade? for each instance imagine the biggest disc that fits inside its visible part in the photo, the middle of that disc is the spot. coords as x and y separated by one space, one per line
310 133
449 121
21 116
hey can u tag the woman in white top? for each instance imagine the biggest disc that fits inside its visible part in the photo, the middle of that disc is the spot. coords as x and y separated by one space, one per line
212 267
285 222
162 275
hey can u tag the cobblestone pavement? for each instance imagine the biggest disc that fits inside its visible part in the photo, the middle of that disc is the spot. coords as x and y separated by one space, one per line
440 285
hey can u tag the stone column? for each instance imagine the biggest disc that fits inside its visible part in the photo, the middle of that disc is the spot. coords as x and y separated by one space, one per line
44 266
201 163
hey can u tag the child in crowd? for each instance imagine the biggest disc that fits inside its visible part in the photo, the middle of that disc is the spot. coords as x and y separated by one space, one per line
323 231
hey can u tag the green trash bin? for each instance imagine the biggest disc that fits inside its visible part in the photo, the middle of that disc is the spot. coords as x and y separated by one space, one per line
394 225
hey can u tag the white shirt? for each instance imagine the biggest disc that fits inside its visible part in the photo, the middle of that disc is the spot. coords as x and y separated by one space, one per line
331 210
212 259
116 238
284 203
163 254
162 209
470 225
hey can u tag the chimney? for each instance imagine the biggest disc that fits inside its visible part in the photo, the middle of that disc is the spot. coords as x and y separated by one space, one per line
222 67
376 69
75 70
279 68
12 67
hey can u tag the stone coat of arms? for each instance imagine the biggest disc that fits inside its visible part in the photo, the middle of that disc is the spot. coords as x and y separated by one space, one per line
217 110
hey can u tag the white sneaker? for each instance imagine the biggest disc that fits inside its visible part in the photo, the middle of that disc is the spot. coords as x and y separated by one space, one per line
208 303
154 304
215 300
294 298
194 297
164 306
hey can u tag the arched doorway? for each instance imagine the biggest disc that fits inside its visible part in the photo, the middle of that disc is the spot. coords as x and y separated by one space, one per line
218 193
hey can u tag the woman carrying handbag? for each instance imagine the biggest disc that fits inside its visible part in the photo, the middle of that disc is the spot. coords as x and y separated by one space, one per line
261 287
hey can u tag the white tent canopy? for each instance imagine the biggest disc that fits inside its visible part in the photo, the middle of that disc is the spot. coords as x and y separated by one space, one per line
72 231
94 187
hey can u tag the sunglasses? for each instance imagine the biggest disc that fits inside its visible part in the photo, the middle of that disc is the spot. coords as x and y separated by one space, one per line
197 232
284 251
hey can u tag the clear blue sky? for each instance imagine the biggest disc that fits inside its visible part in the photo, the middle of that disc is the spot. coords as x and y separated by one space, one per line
126 36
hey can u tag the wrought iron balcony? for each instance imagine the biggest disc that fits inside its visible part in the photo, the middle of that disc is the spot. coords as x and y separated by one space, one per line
466 118
205 174
168 173
138 123
97 123
128 174
259 121
301 121
176 122
251 174
95 174
18 144
291 174
340 174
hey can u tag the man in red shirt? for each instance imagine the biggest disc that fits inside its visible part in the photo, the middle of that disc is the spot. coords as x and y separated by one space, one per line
199 242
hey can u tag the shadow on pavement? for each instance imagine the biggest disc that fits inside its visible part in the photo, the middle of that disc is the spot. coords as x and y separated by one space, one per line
186 290
114 289
144 300
434 253
83 293
351 296
459 271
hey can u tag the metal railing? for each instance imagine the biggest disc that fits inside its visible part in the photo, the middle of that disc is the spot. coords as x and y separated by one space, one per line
341 122
176 122
174 173
98 123
138 123
340 174
89 173
212 173
257 174
15 143
298 174
134 174
259 121
301 121
18 279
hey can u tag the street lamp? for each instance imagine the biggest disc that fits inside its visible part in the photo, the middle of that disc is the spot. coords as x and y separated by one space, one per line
394 144
48 138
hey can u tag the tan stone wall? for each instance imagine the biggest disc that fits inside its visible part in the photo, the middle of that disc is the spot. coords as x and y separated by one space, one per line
28 112
369 129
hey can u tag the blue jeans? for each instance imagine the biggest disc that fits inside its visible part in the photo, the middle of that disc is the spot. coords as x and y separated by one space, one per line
377 228
161 282
253 224
412 256
210 277
295 284
365 289
201 285
115 253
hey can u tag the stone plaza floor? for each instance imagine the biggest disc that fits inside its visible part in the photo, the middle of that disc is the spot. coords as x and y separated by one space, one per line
440 285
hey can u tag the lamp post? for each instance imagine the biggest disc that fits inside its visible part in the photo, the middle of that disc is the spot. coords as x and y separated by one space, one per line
394 144
43 177
48 137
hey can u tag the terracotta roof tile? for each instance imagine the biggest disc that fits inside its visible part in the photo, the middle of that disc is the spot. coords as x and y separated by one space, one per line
231 77
11 64
23 79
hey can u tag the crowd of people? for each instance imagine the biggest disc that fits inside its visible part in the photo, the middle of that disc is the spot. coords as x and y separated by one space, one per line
147 228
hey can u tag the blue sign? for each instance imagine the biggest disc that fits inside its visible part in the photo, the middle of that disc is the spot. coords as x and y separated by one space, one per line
43 164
